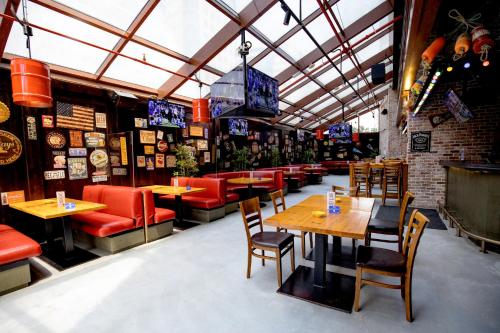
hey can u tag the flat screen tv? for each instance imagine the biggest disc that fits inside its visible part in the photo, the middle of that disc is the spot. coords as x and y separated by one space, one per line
457 107
300 135
238 126
341 133
229 99
163 113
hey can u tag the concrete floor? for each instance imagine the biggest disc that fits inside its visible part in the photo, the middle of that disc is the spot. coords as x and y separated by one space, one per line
195 281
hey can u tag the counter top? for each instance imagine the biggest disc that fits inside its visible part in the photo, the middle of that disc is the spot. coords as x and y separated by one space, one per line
471 165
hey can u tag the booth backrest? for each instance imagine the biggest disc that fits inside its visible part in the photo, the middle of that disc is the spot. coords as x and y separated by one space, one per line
215 187
276 175
149 206
93 193
225 175
123 201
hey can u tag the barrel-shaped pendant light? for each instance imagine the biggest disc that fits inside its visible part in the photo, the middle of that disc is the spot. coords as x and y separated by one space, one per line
30 83
200 110
320 134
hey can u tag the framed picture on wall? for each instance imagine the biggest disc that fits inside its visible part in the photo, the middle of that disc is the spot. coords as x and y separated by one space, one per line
147 137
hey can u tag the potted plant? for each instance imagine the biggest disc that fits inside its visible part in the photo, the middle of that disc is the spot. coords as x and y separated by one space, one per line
275 157
308 156
186 164
240 159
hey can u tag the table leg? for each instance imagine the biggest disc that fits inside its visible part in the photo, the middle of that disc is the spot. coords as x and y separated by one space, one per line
251 195
67 235
179 212
320 260
290 189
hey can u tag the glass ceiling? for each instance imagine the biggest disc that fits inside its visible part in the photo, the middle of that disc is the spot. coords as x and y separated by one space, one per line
180 29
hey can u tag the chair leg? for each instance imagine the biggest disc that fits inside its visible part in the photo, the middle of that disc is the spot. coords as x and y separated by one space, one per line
368 238
311 240
384 192
292 257
303 243
402 286
409 315
400 244
353 243
263 260
249 263
278 266
357 295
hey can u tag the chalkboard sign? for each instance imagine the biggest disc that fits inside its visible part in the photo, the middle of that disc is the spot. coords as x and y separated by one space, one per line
421 141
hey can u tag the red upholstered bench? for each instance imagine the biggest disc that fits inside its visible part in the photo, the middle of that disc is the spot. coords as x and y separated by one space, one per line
15 249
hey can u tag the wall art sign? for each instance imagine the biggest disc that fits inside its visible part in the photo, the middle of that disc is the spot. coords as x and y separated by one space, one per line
170 138
77 168
147 137
99 158
141 122
75 138
202 144
206 156
421 141
123 150
160 160
171 161
60 162
185 133
162 146
47 121
12 197
77 151
149 150
119 171
440 118
99 178
100 120
55 140
114 158
141 161
4 112
74 116
205 133
10 148
159 135
55 174
457 107
195 131
95 139
150 163
31 124
114 143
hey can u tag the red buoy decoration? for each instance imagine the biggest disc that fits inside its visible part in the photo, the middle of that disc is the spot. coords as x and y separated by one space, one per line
433 50
320 134
200 110
481 42
30 83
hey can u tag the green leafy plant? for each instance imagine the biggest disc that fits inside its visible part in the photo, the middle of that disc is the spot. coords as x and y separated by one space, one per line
240 159
186 164
275 157
308 156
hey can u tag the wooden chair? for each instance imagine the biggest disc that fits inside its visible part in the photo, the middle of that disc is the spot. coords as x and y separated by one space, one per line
376 177
391 181
362 177
278 242
352 191
279 201
374 260
385 227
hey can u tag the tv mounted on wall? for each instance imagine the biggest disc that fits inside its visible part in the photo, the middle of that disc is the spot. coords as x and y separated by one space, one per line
341 133
163 113
238 126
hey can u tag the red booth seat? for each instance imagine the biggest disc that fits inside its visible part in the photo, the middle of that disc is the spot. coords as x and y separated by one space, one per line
15 246
214 195
336 165
276 176
299 177
155 215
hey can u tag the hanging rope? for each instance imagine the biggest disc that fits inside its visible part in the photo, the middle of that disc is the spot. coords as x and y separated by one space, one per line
26 28
470 23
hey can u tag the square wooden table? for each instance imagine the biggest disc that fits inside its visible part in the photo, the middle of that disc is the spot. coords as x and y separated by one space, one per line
317 285
47 209
250 182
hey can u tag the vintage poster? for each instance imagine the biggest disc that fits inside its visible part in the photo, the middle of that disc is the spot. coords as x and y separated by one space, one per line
100 120
195 131
123 150
149 150
114 143
31 124
159 135
119 171
12 197
162 146
77 151
77 168
55 140
99 178
170 138
10 148
114 158
47 121
205 133
206 156
141 161
147 137
185 133
202 144
53 175
150 163
75 138
159 160
95 139
171 161
59 159
141 122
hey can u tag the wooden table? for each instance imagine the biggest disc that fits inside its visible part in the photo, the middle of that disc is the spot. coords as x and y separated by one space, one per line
250 182
380 166
317 285
47 209
178 192
289 175
310 171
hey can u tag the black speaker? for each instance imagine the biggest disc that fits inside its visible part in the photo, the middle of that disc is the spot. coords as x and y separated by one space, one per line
384 112
378 73
123 99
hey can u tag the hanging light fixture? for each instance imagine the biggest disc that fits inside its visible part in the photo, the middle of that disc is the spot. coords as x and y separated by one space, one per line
200 109
30 78
320 134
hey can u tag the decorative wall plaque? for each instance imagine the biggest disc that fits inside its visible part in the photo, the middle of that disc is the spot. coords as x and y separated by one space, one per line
10 148
55 140
47 121
100 120
99 158
53 175
4 112
75 138
77 168
149 150
95 139
195 131
141 161
119 171
421 141
31 124
162 146
160 160
147 137
77 151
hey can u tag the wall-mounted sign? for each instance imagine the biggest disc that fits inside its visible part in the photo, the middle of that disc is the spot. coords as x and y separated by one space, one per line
77 168
123 150
75 138
77 151
171 161
100 178
114 158
74 116
202 144
4 112
162 146
149 150
119 171
55 140
114 143
141 122
206 156
141 161
160 160
100 120
205 133
55 174
159 135
59 162
95 139
440 118
195 131
99 158
12 197
421 141
31 124
147 137
10 148
47 121
170 138
150 163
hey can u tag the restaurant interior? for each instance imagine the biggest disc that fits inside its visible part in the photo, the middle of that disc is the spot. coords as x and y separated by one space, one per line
249 165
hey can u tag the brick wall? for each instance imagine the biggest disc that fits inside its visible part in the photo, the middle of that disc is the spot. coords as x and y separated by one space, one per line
392 142
427 179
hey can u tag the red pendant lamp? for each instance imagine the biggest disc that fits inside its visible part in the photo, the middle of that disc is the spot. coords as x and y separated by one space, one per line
320 134
200 109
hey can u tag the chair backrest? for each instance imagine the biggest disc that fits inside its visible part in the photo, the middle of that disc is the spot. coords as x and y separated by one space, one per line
278 200
361 169
416 226
392 169
252 217
351 191
407 200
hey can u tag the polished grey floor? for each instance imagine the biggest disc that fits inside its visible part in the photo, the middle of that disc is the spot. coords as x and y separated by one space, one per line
195 281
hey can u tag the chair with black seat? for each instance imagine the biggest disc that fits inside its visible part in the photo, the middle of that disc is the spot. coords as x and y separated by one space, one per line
374 260
278 242
279 201
387 227
391 183
362 177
